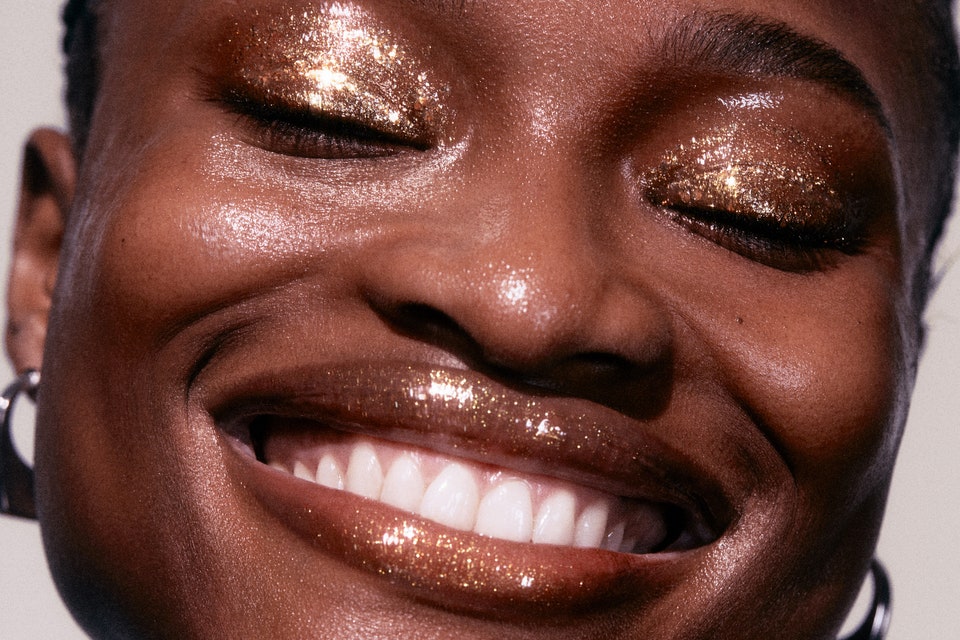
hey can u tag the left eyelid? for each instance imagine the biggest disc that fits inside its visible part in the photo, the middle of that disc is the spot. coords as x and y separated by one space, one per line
774 174
763 193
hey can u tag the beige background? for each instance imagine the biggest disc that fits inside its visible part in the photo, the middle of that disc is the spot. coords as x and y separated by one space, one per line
920 539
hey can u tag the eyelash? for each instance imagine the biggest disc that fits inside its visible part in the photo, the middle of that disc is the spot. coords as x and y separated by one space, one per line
783 247
301 133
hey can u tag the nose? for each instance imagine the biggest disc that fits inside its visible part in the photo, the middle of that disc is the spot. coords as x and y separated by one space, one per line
523 282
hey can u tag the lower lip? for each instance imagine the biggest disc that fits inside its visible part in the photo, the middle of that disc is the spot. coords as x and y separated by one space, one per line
454 569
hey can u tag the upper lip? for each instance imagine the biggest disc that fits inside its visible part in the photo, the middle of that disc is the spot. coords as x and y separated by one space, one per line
467 415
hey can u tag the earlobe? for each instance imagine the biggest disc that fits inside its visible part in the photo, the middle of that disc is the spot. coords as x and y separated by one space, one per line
47 189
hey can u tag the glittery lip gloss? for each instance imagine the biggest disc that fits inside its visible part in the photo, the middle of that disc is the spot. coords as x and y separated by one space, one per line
333 62
461 412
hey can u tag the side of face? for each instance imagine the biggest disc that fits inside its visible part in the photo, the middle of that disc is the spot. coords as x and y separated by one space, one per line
564 245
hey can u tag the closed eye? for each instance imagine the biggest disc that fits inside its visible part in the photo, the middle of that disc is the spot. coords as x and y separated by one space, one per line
779 246
303 133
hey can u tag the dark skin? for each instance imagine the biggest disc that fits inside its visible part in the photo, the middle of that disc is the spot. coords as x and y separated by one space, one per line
197 265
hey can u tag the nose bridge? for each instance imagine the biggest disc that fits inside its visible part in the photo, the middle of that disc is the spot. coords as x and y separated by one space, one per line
526 279
541 268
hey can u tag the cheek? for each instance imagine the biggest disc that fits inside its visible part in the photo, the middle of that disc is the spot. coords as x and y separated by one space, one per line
191 230
818 360
180 238
118 452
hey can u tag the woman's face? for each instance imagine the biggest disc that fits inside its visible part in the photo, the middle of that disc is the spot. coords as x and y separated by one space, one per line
605 304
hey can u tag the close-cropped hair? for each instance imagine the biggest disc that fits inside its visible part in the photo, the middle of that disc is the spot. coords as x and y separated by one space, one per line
81 67
945 64
83 64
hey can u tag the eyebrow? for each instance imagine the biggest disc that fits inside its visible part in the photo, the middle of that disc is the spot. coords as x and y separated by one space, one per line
749 46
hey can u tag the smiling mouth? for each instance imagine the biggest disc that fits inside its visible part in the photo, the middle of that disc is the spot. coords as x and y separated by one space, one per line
468 496
467 493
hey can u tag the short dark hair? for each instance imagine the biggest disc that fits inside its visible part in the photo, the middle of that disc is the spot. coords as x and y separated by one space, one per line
81 69
946 69
82 80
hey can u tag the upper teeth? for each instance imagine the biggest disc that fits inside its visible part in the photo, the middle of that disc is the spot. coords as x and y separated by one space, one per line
487 501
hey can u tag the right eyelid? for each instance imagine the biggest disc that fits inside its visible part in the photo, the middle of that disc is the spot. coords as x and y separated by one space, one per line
337 70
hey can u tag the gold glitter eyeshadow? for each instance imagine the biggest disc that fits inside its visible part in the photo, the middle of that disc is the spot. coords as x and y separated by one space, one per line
334 62
729 171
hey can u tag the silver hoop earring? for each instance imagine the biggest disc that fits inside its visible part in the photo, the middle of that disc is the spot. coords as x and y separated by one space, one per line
16 476
875 626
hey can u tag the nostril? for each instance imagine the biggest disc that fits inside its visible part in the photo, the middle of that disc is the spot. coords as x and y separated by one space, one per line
595 366
413 314
428 324
640 389
635 388
574 374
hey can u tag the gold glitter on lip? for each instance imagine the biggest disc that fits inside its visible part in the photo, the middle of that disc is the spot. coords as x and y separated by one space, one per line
334 62
459 570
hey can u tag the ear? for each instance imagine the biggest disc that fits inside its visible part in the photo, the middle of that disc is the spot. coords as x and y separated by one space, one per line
46 194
